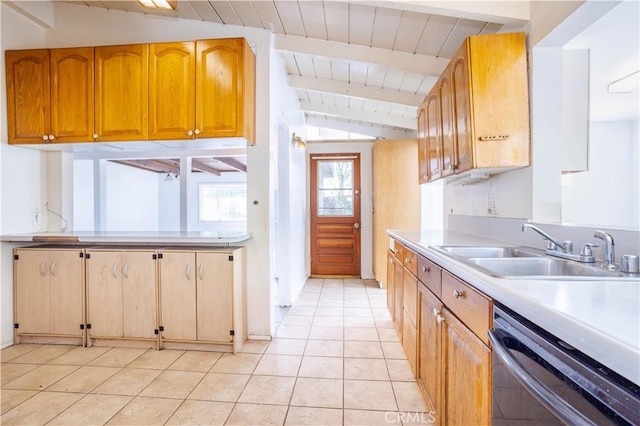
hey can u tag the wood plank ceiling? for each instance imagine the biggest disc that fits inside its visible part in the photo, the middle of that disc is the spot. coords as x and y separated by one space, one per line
357 66
211 165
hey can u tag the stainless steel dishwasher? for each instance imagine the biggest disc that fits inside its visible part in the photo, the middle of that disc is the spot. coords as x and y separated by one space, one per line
539 379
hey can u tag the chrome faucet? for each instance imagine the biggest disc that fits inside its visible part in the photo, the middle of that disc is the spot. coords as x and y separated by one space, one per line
609 249
563 249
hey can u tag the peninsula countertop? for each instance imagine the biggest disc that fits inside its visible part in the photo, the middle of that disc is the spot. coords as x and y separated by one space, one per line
598 317
205 238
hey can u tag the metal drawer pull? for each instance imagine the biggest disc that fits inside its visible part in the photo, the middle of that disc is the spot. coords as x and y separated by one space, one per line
458 293
201 271
114 270
43 268
188 271
125 271
53 269
426 269
440 319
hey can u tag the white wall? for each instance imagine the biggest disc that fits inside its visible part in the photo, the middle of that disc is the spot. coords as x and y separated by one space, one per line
365 149
83 195
132 199
168 204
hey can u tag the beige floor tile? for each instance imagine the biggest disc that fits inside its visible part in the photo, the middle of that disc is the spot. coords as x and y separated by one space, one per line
156 360
385 323
117 357
286 347
324 393
361 333
41 378
173 384
365 369
128 381
12 398
254 346
84 379
146 411
257 414
321 367
330 303
268 390
409 397
92 410
356 302
12 352
201 413
328 321
43 354
236 364
329 311
302 310
293 332
355 349
359 321
297 320
326 333
358 312
40 408
324 348
196 361
400 370
371 418
80 356
314 416
278 365
381 313
10 371
393 350
388 335
220 387
369 395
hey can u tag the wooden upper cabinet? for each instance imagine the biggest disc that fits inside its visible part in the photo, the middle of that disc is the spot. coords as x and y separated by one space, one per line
434 137
122 92
172 90
459 72
225 89
423 169
447 117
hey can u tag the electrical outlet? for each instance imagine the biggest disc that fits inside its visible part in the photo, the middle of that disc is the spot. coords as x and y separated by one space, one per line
35 219
493 209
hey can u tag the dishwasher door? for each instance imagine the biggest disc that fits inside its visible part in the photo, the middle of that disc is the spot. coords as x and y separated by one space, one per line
538 379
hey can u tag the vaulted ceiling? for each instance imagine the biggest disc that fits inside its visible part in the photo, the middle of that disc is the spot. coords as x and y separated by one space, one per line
358 66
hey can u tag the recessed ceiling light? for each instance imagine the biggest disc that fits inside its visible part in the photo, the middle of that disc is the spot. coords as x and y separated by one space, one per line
159 4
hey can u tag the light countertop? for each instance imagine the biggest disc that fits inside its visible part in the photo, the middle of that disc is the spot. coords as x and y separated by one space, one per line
206 238
598 317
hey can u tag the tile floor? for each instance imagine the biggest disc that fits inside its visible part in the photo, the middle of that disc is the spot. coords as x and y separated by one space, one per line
335 359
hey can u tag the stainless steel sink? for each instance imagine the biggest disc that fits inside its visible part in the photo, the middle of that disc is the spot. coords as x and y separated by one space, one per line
489 252
541 268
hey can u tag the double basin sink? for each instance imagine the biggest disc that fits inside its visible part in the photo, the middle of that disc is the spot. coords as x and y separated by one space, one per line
527 263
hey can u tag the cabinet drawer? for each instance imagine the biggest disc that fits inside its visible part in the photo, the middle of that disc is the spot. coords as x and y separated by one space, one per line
469 305
410 261
430 275
398 251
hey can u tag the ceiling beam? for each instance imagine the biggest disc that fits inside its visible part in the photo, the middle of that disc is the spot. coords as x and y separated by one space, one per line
408 62
202 167
232 162
355 90
360 115
362 129
514 13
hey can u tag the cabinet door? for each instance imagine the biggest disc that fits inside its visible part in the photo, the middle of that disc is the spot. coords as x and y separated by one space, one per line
434 137
391 273
467 377
72 95
139 295
172 81
410 295
122 92
104 294
214 296
178 295
66 278
28 96
447 117
32 297
462 112
430 369
219 87
398 293
423 160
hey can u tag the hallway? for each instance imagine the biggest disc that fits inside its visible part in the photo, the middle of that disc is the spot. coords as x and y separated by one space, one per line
335 359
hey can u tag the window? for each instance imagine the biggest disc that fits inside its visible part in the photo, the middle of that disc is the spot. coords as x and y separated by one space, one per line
335 188
223 202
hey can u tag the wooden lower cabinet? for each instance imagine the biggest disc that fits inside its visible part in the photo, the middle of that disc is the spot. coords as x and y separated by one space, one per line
409 323
391 288
430 367
202 296
122 295
49 293
467 375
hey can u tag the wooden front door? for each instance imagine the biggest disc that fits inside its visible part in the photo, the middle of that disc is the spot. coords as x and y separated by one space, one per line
335 214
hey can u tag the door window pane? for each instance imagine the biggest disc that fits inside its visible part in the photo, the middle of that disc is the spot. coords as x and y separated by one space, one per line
335 188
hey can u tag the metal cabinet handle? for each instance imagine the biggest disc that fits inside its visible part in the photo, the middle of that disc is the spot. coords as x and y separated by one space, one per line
426 269
458 293
440 318
196 132
96 136
45 137
125 270
436 312
189 133
188 271
201 273
51 137
114 270
53 269
43 268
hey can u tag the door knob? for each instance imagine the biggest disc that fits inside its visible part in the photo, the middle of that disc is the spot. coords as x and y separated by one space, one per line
356 225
